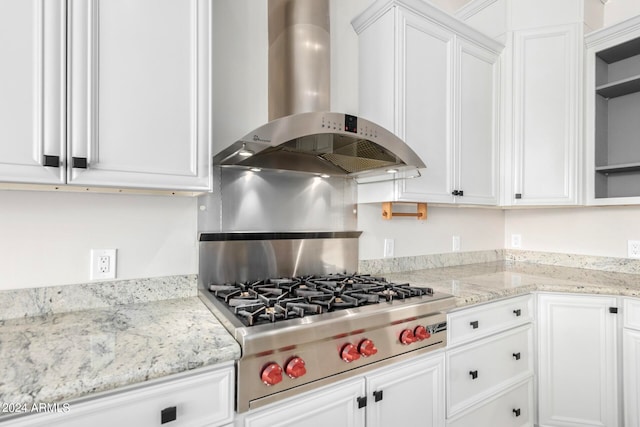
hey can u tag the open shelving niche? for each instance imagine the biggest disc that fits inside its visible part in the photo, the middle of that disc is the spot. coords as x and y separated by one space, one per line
617 121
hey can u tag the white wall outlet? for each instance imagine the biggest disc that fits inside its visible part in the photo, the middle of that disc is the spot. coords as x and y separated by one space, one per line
103 264
388 248
633 248
516 240
455 244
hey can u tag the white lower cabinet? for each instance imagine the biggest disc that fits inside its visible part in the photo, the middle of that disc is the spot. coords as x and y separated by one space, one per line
490 364
578 375
410 393
511 408
185 400
631 362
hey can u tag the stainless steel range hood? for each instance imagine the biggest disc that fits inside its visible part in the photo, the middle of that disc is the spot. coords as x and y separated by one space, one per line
302 135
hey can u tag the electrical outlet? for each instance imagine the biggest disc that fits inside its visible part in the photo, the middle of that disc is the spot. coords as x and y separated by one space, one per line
103 264
633 248
516 240
456 243
388 248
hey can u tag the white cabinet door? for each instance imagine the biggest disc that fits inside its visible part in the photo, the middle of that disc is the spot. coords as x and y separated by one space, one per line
32 91
476 126
408 395
631 381
577 361
546 115
139 93
424 105
331 406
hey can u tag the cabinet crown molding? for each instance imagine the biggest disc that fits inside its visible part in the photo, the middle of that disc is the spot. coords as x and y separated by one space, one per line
605 35
427 11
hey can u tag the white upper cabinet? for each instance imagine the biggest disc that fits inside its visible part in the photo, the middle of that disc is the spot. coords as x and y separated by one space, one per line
32 91
106 93
546 115
139 85
433 81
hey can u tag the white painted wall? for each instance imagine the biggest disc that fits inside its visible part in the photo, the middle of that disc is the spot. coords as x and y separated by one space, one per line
478 228
599 231
45 237
619 10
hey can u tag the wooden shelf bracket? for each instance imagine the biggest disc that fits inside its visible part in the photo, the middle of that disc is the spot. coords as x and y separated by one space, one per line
387 210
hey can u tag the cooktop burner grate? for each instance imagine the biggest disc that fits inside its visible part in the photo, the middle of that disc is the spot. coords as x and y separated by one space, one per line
272 300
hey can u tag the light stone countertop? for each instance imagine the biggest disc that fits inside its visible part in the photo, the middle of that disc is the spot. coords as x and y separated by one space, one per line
478 283
62 356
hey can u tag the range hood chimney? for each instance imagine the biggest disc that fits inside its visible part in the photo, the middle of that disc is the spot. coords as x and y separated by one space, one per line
302 134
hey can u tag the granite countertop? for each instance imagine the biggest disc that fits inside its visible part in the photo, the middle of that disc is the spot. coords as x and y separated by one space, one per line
478 283
62 356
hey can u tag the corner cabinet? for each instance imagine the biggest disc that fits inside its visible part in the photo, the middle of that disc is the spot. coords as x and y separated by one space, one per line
434 82
407 394
106 93
578 359
612 111
546 116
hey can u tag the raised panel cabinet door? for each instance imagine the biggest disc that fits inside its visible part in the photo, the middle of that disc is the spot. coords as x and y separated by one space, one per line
139 93
32 87
546 115
477 125
631 378
424 105
334 405
577 369
411 394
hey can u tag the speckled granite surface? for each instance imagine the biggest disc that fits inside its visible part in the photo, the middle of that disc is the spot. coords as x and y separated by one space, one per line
64 356
62 299
477 283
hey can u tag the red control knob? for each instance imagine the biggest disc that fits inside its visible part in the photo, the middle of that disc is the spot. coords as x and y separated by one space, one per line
367 348
349 353
407 337
421 333
295 368
271 374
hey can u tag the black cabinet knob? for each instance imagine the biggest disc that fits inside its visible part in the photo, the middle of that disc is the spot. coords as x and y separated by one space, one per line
168 414
517 312
377 396
362 402
454 193
51 161
516 356
516 412
474 374
460 193
474 324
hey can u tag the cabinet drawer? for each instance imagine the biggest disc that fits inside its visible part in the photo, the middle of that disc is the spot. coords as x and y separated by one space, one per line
477 322
512 408
632 313
481 369
199 399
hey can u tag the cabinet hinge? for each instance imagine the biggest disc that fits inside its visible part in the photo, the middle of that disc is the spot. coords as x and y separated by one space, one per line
613 310
362 402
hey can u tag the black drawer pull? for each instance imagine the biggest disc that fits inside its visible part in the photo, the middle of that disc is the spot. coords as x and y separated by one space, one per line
51 161
516 412
474 324
362 402
79 162
516 356
377 396
168 414
474 374
517 312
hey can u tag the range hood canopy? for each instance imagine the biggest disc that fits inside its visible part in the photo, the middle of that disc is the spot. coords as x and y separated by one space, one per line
302 135
322 143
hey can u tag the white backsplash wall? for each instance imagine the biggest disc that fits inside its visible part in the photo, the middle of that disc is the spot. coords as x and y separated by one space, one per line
600 231
45 237
479 229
